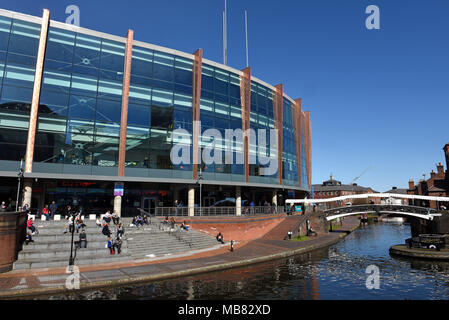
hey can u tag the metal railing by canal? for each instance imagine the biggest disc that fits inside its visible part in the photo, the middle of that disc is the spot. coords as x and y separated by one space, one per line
216 211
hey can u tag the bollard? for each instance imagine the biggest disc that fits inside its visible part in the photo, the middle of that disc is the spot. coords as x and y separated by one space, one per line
232 245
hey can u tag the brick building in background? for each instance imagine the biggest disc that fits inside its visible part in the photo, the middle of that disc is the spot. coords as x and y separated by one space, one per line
437 185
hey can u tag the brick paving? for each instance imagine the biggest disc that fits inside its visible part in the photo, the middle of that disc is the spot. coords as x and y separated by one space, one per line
271 246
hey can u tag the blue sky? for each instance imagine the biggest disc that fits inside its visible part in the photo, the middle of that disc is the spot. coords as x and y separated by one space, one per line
378 98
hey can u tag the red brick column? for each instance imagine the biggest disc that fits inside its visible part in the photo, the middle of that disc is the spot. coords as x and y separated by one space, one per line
196 103
36 91
308 145
297 111
125 100
245 98
278 107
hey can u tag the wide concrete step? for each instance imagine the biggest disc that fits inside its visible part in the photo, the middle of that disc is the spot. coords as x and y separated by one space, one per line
61 253
57 245
63 262
67 237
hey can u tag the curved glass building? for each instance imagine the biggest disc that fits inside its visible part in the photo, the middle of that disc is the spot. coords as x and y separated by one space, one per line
89 112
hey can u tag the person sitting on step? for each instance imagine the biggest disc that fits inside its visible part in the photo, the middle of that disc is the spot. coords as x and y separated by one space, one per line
28 238
220 238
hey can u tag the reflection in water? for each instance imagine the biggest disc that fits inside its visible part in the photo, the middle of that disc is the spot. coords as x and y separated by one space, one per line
337 272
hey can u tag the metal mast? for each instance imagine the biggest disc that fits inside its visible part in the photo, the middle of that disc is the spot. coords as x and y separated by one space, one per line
225 36
246 38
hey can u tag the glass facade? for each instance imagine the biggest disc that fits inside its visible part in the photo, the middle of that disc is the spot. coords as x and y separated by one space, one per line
19 42
289 163
79 115
221 109
80 104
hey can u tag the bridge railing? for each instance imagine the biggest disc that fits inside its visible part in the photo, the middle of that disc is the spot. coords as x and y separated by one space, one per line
377 208
216 211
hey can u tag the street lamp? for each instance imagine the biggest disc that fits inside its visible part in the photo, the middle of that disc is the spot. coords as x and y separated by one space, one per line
20 175
72 258
198 181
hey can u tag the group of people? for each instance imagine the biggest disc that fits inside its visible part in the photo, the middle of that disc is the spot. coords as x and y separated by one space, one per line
172 222
76 224
139 220
11 206
114 245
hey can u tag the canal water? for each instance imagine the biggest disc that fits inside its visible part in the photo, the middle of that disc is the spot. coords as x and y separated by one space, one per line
336 272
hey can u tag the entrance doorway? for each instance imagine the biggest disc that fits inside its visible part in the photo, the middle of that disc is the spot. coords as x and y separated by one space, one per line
149 204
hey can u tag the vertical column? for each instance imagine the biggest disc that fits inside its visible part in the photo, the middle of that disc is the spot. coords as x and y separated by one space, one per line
27 192
124 116
245 98
297 135
118 205
278 106
191 201
29 155
196 102
308 150
238 201
275 198
125 99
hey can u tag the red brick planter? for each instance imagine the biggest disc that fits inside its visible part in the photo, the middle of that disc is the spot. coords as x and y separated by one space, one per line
12 235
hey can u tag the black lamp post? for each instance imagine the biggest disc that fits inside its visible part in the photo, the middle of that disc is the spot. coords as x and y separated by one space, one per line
72 258
20 175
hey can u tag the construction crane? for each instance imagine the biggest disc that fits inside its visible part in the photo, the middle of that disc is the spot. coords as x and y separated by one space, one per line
355 179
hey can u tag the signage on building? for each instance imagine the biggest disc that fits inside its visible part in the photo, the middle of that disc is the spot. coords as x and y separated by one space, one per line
119 188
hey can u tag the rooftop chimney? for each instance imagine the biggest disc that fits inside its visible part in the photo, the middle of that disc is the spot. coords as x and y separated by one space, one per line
432 174
395 188
446 154
440 169
411 184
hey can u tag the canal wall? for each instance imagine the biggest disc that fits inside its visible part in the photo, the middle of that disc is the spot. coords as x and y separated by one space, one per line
237 228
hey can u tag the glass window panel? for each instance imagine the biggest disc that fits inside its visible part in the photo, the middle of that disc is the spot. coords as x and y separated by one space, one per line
163 85
76 126
221 108
5 29
235 91
12 143
82 107
24 38
108 110
183 100
84 85
183 71
49 147
15 119
139 115
222 98
110 90
58 66
16 94
163 67
85 71
111 75
182 119
207 105
139 94
236 112
143 81
60 45
112 55
183 89
207 95
161 117
56 81
162 98
142 62
110 129
19 75
51 123
87 51
54 103
105 151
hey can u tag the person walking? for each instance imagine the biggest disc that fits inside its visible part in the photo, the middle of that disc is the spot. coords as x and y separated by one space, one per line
120 230
106 230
